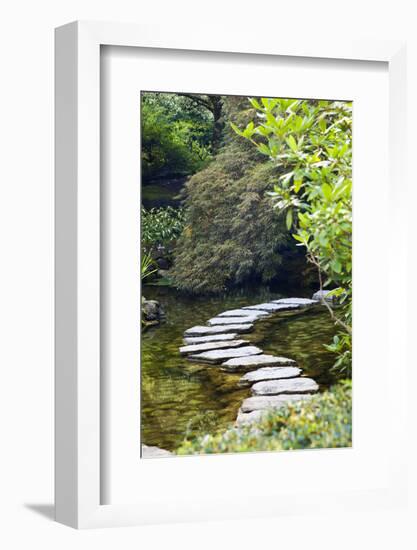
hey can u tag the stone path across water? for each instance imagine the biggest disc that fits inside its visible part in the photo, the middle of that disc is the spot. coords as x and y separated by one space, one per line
274 380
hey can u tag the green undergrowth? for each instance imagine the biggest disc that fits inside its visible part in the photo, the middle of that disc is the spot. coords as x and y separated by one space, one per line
324 421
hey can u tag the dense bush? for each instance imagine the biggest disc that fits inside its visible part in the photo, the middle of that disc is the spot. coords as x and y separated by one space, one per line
161 226
310 142
324 421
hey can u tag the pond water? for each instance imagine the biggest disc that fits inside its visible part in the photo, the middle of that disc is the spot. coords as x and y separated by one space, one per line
181 399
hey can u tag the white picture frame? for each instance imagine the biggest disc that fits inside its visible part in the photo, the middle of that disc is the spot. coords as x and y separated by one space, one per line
78 404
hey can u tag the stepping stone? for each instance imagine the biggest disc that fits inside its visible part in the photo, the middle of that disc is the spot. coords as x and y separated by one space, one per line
256 361
243 419
214 338
271 307
207 331
195 348
262 402
291 385
243 313
154 452
215 321
323 295
219 355
296 301
269 373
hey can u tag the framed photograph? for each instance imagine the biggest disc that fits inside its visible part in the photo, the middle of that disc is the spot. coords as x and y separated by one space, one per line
220 305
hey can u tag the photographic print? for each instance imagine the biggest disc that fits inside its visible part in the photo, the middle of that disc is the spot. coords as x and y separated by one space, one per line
246 274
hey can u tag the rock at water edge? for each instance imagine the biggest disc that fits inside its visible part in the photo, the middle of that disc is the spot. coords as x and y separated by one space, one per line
323 295
291 385
154 452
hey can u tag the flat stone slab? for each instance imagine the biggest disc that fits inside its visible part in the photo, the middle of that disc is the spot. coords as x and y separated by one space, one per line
243 419
257 361
215 321
269 373
271 307
219 355
207 331
207 346
243 313
214 338
154 452
262 402
296 301
290 385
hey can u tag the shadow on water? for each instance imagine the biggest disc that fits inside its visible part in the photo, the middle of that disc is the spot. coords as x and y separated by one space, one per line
181 399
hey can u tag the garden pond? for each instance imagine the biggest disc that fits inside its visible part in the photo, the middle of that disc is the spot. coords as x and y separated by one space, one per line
181 399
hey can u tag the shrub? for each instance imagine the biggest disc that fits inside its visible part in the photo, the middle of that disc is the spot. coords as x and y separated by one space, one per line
324 421
311 143
161 226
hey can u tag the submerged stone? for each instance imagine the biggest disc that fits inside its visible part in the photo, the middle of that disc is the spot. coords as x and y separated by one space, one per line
269 373
207 346
243 313
290 385
214 338
271 307
217 356
154 452
215 321
262 402
256 361
206 331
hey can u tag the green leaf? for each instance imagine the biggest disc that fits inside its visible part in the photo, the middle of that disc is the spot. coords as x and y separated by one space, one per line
289 218
292 143
236 129
327 191
336 265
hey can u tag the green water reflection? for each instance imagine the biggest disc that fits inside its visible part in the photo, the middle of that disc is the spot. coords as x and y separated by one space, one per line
182 399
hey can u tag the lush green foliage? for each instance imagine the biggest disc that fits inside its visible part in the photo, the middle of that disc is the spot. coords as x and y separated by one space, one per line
161 226
176 135
324 421
232 233
310 142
